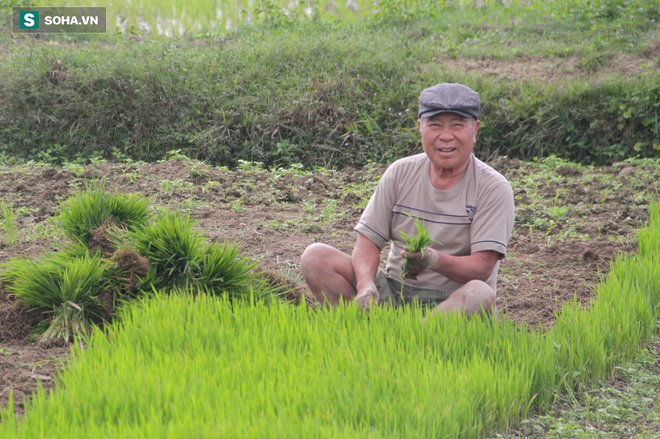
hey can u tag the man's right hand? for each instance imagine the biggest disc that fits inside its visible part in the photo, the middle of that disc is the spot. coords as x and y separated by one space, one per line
366 296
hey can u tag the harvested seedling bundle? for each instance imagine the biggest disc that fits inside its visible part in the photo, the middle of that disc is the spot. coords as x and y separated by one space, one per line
117 251
415 244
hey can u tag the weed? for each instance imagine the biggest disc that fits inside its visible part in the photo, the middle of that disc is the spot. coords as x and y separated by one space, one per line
236 206
198 171
131 101
9 224
175 184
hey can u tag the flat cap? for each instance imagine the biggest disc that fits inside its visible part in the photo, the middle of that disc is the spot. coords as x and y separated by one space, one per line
449 98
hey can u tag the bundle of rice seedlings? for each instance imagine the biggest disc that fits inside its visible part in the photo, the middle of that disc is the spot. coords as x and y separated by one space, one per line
66 289
172 246
415 244
90 215
224 272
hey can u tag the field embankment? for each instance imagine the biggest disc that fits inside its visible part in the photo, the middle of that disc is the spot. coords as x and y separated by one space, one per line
579 83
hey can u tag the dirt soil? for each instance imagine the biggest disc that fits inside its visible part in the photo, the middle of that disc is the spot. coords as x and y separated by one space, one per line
571 222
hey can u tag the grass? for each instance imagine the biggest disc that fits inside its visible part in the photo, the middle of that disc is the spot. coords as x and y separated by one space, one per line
9 224
625 406
256 99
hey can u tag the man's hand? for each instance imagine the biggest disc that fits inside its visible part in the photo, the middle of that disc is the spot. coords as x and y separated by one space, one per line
416 262
366 296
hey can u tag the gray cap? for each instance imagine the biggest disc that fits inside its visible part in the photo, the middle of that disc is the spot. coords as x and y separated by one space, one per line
449 98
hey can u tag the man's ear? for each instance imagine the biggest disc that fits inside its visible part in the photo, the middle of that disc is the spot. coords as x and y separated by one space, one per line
477 124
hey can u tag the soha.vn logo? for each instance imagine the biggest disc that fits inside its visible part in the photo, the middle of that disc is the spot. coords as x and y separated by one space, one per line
29 20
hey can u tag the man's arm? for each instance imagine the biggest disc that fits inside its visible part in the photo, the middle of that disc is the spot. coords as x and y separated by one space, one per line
461 269
365 260
477 266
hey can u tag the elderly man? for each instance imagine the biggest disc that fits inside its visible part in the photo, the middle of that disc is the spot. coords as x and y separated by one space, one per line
466 206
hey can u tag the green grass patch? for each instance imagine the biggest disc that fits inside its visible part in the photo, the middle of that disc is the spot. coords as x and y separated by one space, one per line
327 93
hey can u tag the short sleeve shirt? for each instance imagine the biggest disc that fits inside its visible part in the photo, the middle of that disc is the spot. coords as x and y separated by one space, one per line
475 215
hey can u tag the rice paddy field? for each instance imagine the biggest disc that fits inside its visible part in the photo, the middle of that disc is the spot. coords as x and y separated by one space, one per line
178 365
232 135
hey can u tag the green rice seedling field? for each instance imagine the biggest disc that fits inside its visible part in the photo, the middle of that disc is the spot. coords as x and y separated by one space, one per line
177 365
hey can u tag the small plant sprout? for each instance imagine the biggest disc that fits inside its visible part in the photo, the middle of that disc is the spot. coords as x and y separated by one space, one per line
416 243
419 242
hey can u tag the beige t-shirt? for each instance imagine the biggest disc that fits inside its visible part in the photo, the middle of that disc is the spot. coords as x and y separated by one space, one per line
475 215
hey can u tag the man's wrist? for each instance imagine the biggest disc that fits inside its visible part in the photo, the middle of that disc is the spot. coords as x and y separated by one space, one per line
365 285
434 259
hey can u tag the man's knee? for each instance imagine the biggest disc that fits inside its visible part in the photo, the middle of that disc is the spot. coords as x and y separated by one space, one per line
314 255
475 297
480 294
480 289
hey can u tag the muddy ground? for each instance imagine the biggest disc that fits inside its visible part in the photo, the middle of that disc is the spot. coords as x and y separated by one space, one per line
571 222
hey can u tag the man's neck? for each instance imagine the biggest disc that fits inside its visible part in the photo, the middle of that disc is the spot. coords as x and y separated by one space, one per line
445 179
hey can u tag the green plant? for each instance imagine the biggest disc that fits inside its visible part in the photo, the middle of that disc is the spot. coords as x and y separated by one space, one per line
418 242
87 216
173 247
223 271
9 224
132 102
198 171
67 290
175 364
236 205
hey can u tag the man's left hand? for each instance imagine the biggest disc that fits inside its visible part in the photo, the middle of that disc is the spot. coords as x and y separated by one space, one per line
416 262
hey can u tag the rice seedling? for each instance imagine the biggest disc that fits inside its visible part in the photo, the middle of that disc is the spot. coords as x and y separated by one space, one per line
9 224
67 290
222 271
247 367
87 216
418 242
415 243
178 365
175 365
173 247
115 254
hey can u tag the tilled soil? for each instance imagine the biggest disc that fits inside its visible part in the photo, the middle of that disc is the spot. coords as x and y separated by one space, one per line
571 222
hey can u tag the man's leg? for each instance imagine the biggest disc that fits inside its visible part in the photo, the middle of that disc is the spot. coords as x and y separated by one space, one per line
328 273
475 297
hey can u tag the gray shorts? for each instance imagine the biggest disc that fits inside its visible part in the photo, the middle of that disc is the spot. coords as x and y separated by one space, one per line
390 291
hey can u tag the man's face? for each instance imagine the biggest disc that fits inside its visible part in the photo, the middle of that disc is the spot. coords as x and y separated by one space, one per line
448 139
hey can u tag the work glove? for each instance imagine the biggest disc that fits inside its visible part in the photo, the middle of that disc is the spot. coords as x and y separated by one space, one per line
416 262
366 296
